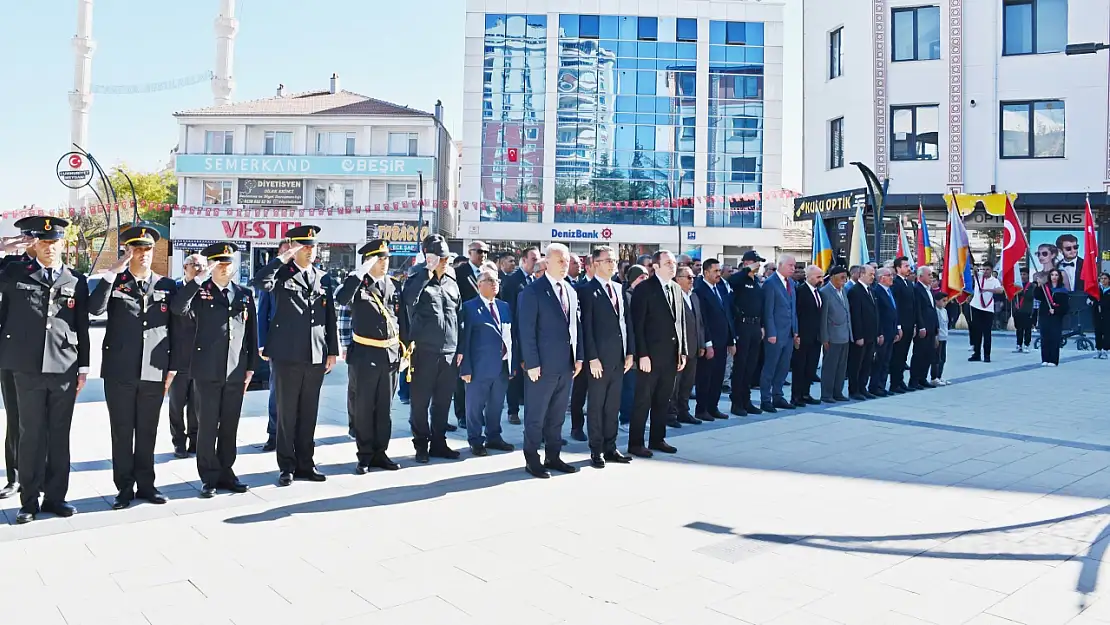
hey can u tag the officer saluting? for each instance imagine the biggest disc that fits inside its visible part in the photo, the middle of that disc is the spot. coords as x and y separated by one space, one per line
302 345
45 343
374 355
7 386
137 362
224 357
747 318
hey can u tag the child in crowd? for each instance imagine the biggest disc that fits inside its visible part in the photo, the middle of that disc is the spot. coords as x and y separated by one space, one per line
941 301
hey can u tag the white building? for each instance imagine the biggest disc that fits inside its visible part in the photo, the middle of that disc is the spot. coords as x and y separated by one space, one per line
573 103
954 95
343 161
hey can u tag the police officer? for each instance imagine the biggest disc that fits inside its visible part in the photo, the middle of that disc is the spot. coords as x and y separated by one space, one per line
224 357
183 403
302 346
45 344
430 330
7 385
137 362
747 318
373 356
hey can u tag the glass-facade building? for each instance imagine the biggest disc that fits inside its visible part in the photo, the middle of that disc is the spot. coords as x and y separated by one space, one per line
638 113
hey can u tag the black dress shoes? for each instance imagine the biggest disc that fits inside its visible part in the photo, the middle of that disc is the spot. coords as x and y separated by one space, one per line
362 469
974 358
840 398
514 419
285 479
673 423
857 397
11 489
180 452
617 457
382 461
153 497
915 387
737 410
479 450
271 444
662 446
578 435
811 401
499 446
451 428
560 466
596 461
207 491
537 470
927 384
25 516
422 456
311 475
717 414
640 452
123 500
751 408
192 448
59 508
878 393
784 405
689 419
235 486
868 395
443 451
703 417
897 390
767 408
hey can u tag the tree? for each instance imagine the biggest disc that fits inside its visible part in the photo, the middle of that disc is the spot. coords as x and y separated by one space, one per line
152 188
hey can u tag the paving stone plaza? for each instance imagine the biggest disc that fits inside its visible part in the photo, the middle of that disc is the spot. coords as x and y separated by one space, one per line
980 503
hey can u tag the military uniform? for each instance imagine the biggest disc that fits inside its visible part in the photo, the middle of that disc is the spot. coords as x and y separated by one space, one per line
747 318
302 336
182 398
45 344
137 356
430 326
372 358
224 353
7 391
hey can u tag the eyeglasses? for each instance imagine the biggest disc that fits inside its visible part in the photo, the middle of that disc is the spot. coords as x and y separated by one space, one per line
1045 253
1070 248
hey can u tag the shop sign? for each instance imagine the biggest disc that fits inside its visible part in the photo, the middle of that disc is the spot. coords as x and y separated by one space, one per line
396 232
257 229
582 235
346 231
1058 220
831 205
305 166
271 192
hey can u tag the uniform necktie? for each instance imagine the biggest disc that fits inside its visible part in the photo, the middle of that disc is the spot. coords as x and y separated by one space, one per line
50 275
563 300
613 298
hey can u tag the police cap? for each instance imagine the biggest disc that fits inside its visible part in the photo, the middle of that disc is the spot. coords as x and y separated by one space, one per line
44 228
436 246
139 235
305 235
375 247
220 252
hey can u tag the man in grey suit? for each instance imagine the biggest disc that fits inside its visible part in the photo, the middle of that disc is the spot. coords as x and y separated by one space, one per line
695 338
835 331
780 334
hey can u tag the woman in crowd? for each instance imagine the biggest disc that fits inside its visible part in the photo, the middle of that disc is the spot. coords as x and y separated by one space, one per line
1052 307
1100 312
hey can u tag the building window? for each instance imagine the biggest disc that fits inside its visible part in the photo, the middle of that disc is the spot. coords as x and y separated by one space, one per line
648 29
333 195
398 192
219 142
836 143
688 124
836 53
589 26
1034 26
335 144
686 29
916 34
403 143
278 143
217 192
1032 129
914 133
744 169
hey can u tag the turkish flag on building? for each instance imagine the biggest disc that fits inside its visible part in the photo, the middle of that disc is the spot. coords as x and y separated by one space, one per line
1014 248
1089 273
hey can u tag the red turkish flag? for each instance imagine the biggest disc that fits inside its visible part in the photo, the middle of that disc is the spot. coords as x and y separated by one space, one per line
1089 274
1014 248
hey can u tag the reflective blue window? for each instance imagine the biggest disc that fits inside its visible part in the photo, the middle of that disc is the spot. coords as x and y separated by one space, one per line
686 29
610 27
568 26
589 27
648 29
495 24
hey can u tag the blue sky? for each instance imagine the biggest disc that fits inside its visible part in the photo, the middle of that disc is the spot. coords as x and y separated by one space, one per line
409 52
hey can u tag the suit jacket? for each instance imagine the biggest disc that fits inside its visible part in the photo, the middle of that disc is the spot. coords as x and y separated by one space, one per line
468 283
865 313
658 329
303 328
225 341
716 320
183 328
138 339
888 314
46 326
695 330
549 338
909 317
266 310
836 317
482 341
605 336
809 314
923 299
780 319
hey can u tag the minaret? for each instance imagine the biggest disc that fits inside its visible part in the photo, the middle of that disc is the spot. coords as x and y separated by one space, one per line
223 83
80 99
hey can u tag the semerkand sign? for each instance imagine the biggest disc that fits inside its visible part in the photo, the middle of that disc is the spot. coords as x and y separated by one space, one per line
305 166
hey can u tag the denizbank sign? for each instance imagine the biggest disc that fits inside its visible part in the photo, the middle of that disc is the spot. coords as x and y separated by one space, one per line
578 234
305 166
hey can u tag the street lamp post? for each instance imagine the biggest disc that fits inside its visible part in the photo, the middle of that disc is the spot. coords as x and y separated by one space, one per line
1073 49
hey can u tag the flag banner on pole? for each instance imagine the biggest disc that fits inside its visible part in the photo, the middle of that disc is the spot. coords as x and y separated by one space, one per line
859 254
1089 273
822 249
1015 246
904 248
924 247
957 263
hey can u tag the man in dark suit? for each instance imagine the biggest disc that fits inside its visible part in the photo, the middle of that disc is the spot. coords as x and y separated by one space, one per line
579 390
607 339
889 331
803 365
510 294
695 340
925 341
225 346
467 276
48 357
1070 263
138 361
485 349
720 340
551 349
266 310
865 333
908 319
183 406
302 348
659 328
780 324
7 382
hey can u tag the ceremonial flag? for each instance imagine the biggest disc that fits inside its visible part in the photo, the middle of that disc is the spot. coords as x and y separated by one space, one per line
822 249
858 255
904 244
924 248
1014 248
1089 274
957 277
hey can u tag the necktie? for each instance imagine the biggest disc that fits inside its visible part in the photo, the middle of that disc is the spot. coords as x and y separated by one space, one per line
613 298
717 292
563 300
528 280
1068 264
670 300
493 311
49 275
817 296
789 289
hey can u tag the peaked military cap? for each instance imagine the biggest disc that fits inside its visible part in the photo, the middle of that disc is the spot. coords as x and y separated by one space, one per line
220 252
436 246
374 247
44 228
305 235
139 235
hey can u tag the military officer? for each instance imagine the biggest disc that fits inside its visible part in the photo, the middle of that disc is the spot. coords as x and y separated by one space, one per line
138 365
7 386
45 344
224 357
183 403
374 354
302 346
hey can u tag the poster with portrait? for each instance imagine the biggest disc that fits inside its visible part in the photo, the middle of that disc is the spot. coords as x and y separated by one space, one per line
1058 249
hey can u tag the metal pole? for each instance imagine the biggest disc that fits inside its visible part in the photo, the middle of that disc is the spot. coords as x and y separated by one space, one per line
420 208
